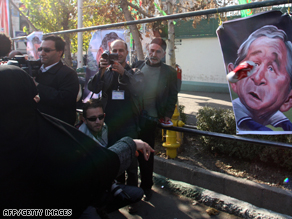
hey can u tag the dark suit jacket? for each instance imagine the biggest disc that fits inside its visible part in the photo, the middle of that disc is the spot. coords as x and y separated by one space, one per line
58 89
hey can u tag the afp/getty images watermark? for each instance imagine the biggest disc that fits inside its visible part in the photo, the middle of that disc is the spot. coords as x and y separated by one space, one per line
37 212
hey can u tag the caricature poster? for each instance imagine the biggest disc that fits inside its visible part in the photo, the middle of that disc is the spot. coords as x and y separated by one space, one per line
34 41
100 41
257 53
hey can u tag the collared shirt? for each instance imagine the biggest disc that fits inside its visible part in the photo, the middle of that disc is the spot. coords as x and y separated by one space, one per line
44 69
242 114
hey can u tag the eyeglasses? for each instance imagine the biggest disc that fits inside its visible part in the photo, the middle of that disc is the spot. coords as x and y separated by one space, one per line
93 119
47 50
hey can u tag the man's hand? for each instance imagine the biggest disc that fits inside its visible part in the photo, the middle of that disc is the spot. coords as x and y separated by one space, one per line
103 63
118 68
37 98
144 148
166 119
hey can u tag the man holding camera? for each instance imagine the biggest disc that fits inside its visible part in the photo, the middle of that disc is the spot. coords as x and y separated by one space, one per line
117 82
57 84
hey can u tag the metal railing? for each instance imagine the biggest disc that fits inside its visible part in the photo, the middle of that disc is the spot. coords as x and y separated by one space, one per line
174 16
229 137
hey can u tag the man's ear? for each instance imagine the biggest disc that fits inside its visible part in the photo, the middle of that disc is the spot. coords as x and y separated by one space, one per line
61 53
230 68
287 104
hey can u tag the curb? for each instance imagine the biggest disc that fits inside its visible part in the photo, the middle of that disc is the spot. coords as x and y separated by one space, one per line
250 193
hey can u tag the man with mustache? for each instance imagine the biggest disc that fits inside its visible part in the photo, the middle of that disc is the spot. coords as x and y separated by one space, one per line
265 94
93 122
118 82
159 99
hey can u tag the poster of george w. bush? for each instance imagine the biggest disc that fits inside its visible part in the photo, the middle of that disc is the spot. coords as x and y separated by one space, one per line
257 53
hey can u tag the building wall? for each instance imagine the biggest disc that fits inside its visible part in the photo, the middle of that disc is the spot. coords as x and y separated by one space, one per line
202 65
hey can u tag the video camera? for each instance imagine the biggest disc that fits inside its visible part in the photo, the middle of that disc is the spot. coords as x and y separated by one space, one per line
30 66
110 57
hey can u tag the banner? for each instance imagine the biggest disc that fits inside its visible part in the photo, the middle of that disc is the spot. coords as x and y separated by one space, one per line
257 52
247 12
34 41
4 21
100 41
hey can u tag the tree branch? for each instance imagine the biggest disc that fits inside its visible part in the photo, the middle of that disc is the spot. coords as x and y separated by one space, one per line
139 9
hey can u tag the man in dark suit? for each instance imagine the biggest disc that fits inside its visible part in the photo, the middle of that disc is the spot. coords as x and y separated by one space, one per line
57 84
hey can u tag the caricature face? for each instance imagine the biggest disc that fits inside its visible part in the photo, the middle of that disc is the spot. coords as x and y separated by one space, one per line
265 91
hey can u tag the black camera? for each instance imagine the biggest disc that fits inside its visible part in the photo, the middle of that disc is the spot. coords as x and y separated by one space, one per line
30 66
110 57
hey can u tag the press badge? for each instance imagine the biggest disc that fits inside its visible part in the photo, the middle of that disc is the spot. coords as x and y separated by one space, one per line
118 95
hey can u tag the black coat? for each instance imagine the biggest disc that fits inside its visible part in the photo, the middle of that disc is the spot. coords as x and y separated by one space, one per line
58 89
46 163
167 89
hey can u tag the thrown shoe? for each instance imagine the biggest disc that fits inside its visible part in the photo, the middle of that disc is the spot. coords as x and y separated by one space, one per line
243 70
164 123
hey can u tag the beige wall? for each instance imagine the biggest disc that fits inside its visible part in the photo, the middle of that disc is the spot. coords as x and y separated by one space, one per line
201 60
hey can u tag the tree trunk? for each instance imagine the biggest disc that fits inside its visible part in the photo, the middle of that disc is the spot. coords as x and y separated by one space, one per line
133 30
67 52
170 51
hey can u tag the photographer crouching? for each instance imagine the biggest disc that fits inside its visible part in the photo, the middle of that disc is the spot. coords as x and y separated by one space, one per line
119 84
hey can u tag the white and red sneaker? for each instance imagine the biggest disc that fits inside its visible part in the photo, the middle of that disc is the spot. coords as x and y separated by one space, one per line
243 70
165 123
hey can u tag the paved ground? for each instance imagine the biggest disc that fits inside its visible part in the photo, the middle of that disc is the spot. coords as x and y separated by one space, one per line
165 205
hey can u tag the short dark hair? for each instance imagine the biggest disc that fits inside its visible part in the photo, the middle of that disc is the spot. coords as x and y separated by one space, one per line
59 42
5 46
92 103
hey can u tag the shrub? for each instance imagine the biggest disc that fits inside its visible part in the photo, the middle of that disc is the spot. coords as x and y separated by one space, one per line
182 114
223 121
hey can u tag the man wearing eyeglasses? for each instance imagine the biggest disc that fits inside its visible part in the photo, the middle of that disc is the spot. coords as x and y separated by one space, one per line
57 84
118 83
93 122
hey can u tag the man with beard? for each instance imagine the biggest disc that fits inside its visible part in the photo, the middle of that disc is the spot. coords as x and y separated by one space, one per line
159 100
118 83
93 122
265 93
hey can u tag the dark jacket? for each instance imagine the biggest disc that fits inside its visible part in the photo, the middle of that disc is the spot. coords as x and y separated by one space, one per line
58 89
167 89
46 163
119 113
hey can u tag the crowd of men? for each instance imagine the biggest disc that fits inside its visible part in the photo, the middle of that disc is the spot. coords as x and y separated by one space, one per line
135 99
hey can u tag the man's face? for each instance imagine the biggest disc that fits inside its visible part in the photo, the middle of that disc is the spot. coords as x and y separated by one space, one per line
94 126
119 48
156 53
264 92
51 57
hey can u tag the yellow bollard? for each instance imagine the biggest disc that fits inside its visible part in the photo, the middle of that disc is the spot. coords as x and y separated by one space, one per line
171 143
